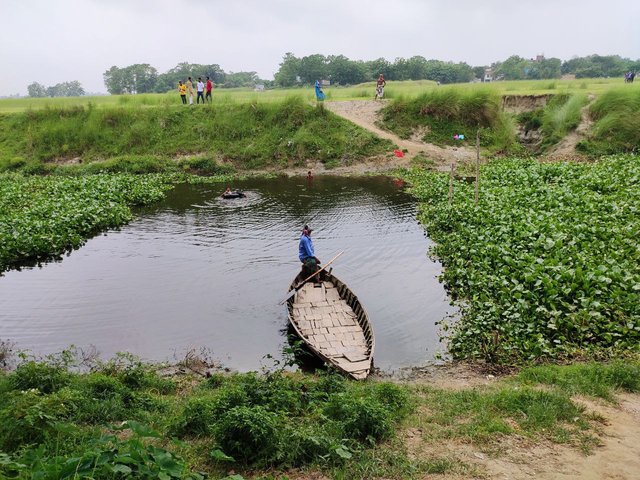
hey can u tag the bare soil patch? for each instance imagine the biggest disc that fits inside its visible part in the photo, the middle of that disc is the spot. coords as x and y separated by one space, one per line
364 113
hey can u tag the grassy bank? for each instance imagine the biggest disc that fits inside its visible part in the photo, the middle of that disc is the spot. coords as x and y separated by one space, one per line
250 135
123 420
366 90
546 265
442 113
616 115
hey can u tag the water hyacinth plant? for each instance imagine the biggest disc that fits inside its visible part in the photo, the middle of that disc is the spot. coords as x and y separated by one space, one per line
547 264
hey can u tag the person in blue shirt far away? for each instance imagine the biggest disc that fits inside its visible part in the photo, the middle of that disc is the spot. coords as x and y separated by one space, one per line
306 254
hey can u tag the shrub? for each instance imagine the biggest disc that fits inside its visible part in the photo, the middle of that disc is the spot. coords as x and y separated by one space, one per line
40 376
361 418
250 434
29 416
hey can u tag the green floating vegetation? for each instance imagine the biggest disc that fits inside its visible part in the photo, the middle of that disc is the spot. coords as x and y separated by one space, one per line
616 129
250 135
547 265
442 113
41 217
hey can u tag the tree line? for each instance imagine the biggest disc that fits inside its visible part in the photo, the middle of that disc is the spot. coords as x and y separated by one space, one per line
143 78
64 89
340 70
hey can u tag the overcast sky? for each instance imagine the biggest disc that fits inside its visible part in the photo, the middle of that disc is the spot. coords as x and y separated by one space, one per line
53 41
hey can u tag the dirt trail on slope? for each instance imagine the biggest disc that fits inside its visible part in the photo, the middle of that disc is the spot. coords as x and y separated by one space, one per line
566 148
364 113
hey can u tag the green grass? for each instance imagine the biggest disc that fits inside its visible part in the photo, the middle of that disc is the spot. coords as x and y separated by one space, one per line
592 379
355 92
561 115
250 135
444 112
546 265
123 418
616 114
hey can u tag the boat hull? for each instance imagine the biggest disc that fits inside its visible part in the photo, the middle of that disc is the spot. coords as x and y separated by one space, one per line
332 323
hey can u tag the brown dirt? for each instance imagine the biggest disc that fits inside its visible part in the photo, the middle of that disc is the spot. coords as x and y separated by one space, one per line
364 113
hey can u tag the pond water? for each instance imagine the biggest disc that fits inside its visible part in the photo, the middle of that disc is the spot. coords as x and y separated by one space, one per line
199 272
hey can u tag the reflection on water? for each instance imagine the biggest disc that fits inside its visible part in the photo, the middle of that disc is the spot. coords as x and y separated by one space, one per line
199 271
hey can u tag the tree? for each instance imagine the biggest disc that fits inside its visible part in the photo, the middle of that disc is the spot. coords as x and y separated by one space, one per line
478 72
115 81
312 68
289 71
169 80
376 67
513 68
37 90
241 79
343 71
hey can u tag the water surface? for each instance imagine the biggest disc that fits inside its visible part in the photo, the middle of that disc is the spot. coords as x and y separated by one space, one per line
196 271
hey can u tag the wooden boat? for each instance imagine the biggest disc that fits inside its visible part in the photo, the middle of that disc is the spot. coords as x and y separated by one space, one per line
330 320
235 194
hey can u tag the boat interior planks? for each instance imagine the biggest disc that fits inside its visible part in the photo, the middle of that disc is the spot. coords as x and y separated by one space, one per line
330 319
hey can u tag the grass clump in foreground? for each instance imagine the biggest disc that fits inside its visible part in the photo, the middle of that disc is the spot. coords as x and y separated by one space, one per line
122 420
250 135
442 113
546 265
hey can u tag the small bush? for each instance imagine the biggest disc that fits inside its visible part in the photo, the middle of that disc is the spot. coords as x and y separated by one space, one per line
40 376
361 418
250 435
29 416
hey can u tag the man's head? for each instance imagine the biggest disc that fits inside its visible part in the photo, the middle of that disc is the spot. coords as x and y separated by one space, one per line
307 230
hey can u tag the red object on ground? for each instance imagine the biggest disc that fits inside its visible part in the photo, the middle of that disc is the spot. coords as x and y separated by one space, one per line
398 153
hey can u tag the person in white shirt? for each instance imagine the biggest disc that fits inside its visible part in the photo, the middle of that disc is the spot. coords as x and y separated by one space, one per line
200 90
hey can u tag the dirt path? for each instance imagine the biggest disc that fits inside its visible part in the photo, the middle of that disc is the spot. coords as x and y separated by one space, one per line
364 113
566 149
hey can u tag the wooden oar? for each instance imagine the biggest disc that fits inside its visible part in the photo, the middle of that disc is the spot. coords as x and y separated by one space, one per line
292 292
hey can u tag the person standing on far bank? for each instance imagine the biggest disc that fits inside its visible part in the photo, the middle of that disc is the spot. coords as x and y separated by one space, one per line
208 88
380 84
319 92
200 90
306 254
182 90
190 90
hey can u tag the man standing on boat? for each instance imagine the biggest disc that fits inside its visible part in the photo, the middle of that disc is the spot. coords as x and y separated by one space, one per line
306 254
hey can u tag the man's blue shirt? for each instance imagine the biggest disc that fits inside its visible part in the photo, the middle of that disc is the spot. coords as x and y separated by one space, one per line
306 247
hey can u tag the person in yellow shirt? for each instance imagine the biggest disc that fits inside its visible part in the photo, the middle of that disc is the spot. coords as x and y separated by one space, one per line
182 90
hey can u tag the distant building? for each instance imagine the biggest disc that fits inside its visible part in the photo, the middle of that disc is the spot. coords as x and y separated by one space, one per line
539 58
258 88
325 83
488 75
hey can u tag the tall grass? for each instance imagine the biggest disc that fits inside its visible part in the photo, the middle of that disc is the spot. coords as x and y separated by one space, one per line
252 135
445 112
617 122
561 115
365 90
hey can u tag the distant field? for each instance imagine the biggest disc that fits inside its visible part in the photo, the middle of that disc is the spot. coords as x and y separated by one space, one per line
365 90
